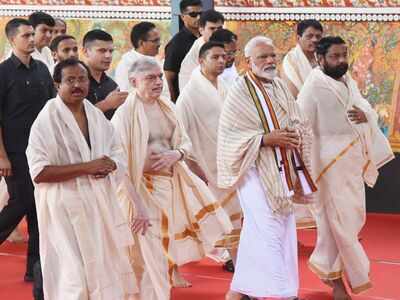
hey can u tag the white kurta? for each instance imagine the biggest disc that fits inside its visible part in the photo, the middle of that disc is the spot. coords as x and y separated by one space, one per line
83 234
190 62
229 75
125 64
266 265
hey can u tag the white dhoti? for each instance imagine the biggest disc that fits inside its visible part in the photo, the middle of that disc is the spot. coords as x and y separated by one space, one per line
267 256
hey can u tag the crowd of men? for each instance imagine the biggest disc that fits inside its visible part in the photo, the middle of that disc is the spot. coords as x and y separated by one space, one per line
124 180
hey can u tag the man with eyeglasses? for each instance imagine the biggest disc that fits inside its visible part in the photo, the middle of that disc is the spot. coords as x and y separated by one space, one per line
98 49
180 44
186 220
146 42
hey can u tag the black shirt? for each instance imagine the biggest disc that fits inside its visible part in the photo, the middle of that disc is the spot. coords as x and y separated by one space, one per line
98 91
23 93
175 52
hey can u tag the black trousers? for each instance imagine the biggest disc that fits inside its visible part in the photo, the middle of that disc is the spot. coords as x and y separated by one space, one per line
21 203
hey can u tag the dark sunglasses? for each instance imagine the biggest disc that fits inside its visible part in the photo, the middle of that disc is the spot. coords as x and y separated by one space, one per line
194 14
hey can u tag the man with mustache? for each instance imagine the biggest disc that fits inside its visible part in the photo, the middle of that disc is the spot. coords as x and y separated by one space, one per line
98 50
146 42
300 60
64 47
348 150
263 142
186 220
77 164
25 86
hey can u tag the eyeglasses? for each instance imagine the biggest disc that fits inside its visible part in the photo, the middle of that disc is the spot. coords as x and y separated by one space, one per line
194 14
73 81
231 53
154 41
153 77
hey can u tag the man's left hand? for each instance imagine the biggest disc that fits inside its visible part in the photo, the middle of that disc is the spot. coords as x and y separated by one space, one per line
356 115
165 160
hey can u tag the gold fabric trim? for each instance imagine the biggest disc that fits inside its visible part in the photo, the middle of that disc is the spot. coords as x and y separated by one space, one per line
165 243
362 288
148 182
159 173
339 156
306 225
187 233
228 199
235 217
211 208
229 241
192 233
325 276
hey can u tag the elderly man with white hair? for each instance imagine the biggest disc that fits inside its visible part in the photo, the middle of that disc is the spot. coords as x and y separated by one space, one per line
263 146
186 220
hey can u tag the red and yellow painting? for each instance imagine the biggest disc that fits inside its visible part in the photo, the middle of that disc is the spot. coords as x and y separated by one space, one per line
374 49
238 3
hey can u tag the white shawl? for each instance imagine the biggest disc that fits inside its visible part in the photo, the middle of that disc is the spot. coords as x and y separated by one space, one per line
190 62
296 66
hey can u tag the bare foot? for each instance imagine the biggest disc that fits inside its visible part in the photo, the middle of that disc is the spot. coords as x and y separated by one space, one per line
327 282
133 297
179 281
339 290
231 295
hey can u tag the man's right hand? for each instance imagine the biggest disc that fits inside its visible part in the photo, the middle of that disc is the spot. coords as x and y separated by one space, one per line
101 167
286 138
5 167
116 98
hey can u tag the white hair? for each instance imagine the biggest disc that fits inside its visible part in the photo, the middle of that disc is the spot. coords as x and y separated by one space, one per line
143 64
255 41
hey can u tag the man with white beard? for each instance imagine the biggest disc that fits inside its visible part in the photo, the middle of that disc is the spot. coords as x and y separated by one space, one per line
263 142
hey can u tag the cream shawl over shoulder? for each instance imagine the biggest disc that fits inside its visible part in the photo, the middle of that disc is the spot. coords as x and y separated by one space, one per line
199 106
296 66
325 101
239 139
193 203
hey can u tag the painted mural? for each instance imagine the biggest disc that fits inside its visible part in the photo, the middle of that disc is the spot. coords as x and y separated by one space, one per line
374 54
239 3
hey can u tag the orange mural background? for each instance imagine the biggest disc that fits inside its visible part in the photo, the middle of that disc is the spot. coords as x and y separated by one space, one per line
238 3
374 49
